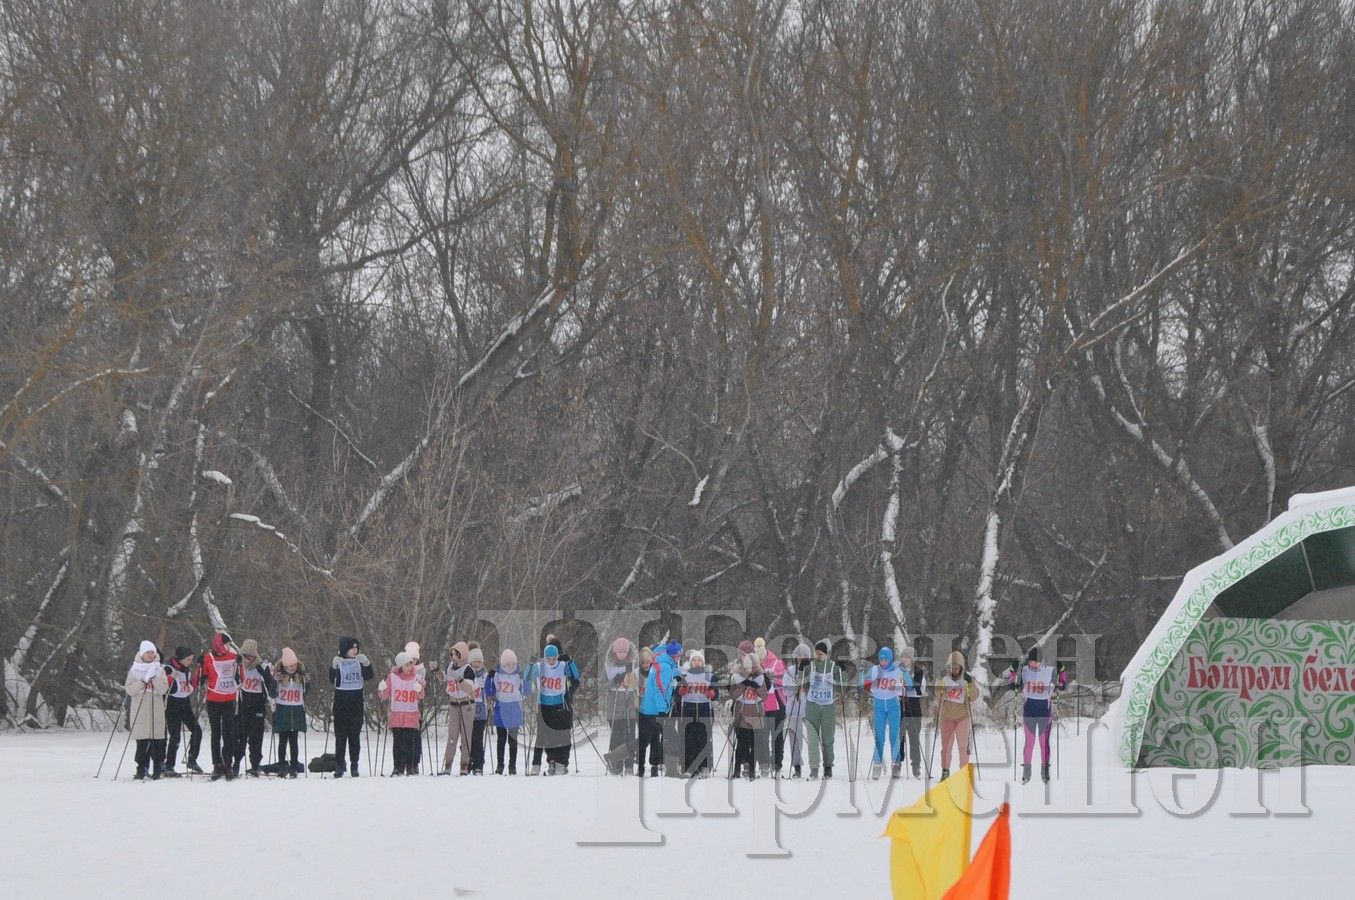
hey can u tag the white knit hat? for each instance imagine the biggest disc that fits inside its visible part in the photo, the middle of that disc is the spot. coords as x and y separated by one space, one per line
403 659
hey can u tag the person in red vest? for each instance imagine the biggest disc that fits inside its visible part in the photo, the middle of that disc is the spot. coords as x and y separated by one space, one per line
221 669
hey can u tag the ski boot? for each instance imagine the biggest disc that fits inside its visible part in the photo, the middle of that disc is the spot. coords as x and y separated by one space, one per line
653 771
945 773
512 770
355 773
813 774
827 773
1044 772
894 771
794 771
917 771
140 774
1025 774
875 771
170 773
194 767
252 772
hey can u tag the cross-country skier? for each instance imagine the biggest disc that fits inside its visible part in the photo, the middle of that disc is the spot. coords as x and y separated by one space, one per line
221 668
793 686
912 710
656 688
183 673
478 674
886 683
256 684
955 691
460 687
1037 684
556 679
748 689
146 685
508 689
348 672
404 690
823 680
620 689
695 693
289 716
773 737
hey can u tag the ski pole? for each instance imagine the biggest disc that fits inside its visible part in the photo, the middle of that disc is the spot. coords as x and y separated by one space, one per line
111 734
936 727
437 740
131 727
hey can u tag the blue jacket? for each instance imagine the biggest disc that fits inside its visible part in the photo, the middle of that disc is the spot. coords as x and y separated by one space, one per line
657 694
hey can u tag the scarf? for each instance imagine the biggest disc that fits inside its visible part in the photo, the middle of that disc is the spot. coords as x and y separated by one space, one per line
145 671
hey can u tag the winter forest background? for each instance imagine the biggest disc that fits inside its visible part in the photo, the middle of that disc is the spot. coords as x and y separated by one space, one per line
882 318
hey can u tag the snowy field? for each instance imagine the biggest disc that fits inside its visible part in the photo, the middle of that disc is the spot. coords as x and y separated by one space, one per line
67 834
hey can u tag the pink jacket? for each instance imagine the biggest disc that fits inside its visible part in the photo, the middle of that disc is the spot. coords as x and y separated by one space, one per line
776 671
412 692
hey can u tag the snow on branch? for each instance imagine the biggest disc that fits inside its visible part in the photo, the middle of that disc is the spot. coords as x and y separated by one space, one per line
49 486
700 489
247 519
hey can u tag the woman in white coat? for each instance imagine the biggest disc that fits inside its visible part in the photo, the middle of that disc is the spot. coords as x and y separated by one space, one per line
146 687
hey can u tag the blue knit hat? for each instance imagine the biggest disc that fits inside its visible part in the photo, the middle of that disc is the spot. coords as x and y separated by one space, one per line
673 648
886 655
552 650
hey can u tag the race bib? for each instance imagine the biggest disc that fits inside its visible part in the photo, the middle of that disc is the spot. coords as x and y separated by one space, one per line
820 688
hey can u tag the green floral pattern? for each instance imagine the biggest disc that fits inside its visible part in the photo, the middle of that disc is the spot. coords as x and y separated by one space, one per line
1255 692
1237 565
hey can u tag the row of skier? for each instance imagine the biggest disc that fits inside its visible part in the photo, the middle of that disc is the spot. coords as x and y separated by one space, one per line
659 705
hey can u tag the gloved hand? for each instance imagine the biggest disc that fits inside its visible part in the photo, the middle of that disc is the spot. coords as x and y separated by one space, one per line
334 663
619 679
362 658
382 685
421 690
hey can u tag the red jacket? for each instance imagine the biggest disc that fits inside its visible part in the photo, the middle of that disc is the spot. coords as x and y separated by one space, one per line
223 676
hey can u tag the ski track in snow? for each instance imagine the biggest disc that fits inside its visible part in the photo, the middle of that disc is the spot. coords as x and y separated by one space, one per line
67 834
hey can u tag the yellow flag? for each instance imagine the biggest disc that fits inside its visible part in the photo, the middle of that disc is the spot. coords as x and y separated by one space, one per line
931 839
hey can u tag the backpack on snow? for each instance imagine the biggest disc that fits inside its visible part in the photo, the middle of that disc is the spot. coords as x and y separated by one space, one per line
325 762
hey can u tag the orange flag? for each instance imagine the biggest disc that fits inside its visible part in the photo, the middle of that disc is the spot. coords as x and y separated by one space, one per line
989 875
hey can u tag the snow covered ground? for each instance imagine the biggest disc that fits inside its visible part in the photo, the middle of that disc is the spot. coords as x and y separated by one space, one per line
66 833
